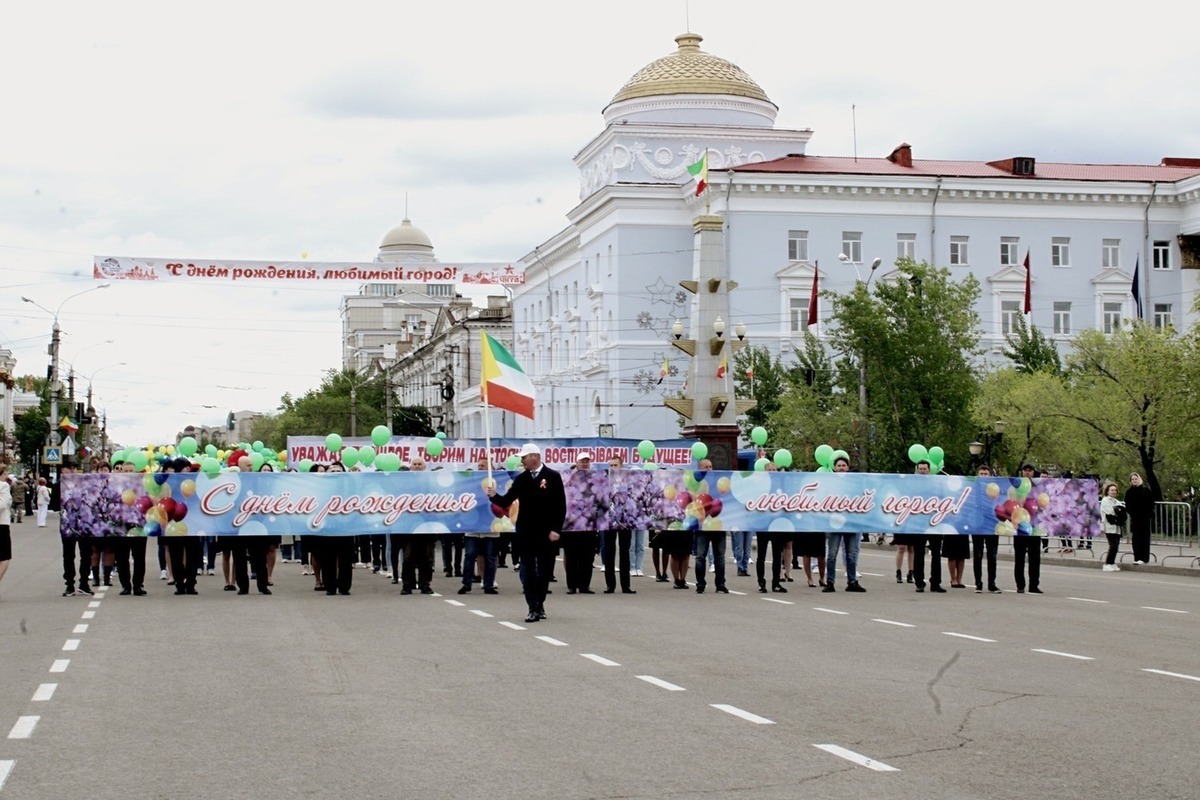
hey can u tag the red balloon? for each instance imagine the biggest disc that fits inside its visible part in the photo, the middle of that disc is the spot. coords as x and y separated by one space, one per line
683 499
168 506
143 503
1002 512
179 512
714 507
498 511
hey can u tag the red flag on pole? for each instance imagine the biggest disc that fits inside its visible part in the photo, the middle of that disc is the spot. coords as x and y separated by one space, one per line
812 299
1028 288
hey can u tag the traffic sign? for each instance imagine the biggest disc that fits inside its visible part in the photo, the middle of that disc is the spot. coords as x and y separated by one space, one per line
52 456
68 446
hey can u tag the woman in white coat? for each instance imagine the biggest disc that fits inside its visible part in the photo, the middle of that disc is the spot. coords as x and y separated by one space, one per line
43 502
1112 523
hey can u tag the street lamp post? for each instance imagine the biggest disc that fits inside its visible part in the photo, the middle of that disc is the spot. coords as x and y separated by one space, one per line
984 448
862 363
55 340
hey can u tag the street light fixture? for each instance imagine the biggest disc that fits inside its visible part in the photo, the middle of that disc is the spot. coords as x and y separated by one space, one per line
677 330
984 448
739 330
719 327
862 361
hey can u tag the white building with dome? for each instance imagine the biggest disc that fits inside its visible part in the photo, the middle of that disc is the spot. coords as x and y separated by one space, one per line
386 315
593 320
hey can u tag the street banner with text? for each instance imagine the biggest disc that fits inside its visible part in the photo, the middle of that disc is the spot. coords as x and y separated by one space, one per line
178 270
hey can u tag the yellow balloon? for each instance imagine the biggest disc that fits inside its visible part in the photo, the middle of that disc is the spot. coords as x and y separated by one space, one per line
188 488
993 491
669 492
723 485
129 497
177 529
170 449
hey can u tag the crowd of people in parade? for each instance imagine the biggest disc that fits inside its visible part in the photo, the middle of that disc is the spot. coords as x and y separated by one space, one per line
534 548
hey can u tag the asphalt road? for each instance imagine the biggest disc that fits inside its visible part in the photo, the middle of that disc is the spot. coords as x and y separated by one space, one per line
1088 691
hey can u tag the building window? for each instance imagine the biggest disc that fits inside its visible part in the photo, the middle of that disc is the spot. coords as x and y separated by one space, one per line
1010 310
1162 255
798 312
852 246
1112 317
1008 251
797 245
1062 318
1163 316
1060 251
1110 253
958 251
906 246
440 289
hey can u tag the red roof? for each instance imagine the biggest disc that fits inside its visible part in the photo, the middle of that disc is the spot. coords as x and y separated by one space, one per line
974 169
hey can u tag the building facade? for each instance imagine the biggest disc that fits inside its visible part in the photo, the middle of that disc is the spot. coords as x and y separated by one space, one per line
593 321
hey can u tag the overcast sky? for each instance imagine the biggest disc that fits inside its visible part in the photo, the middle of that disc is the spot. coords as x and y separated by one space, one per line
256 130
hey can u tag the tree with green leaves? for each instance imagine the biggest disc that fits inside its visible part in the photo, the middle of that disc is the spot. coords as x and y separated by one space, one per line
33 426
917 335
759 375
1138 392
1031 350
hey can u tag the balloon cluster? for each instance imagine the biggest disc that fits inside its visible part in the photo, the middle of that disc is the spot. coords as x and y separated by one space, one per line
935 455
1017 513
782 458
826 457
646 451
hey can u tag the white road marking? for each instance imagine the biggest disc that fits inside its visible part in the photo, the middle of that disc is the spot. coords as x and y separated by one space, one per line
44 692
601 660
551 640
24 727
857 758
1086 600
739 594
80 628
5 769
832 611
660 683
479 613
893 622
1064 655
872 574
88 615
456 603
512 625
967 636
60 665
71 644
1172 674
94 604
781 602
1170 610
746 715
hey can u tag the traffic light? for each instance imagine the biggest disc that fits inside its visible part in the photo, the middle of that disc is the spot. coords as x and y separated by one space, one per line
229 422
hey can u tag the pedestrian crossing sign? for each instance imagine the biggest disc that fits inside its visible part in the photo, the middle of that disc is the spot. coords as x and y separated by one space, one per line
52 455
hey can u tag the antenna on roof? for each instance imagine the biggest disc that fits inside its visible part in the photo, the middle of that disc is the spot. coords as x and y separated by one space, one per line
854 130
687 16
406 205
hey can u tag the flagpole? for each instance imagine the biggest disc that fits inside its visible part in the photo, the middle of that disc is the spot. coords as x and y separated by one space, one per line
487 434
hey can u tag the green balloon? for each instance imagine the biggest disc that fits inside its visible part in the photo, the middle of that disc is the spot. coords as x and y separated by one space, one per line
759 435
349 457
210 450
366 455
512 462
699 450
115 457
434 447
917 452
824 455
761 465
268 454
187 446
256 461
210 466
257 446
645 450
936 455
333 443
839 454
305 464
387 462
380 435
440 434
783 458
139 460
824 469
650 465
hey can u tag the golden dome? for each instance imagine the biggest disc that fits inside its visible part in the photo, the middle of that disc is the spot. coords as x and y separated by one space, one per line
690 70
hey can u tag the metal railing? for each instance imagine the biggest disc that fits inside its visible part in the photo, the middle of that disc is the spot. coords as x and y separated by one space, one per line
1174 525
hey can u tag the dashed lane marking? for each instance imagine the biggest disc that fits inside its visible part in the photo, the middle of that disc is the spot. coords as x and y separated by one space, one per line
513 625
742 713
551 640
24 727
44 692
857 758
71 644
832 611
94 604
601 660
456 603
1088 600
479 613
80 628
781 602
60 665
1064 655
88 615
1172 674
968 636
660 683
6 768
893 622
1169 610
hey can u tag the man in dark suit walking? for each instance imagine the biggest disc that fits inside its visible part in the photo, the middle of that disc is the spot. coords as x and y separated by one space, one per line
541 512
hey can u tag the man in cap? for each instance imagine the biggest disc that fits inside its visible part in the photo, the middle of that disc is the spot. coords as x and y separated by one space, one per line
540 517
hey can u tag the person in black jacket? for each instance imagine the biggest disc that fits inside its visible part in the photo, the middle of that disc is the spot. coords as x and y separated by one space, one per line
1139 504
540 517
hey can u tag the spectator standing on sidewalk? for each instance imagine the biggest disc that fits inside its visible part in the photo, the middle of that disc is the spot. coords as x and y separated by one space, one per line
1139 504
1112 523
